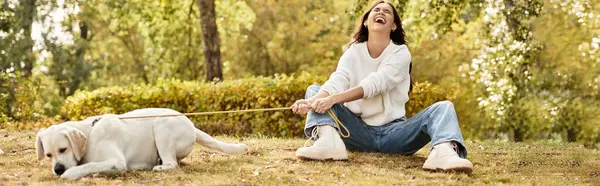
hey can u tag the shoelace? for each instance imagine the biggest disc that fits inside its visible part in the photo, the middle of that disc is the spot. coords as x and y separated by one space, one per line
448 152
313 135
341 125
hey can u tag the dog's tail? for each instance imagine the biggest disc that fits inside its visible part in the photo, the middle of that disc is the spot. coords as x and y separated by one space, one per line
228 148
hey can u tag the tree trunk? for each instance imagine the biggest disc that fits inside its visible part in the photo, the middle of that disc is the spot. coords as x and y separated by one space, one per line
572 134
210 40
513 23
518 30
80 63
27 12
19 53
518 133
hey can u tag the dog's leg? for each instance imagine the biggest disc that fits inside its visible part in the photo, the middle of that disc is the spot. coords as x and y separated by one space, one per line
166 146
109 166
168 160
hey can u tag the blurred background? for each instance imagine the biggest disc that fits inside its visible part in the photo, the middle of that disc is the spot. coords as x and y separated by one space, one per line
516 70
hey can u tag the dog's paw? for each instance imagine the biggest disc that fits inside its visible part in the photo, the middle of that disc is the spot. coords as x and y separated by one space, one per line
71 175
163 167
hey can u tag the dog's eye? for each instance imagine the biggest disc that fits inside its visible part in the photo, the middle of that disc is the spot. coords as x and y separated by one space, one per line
49 155
61 150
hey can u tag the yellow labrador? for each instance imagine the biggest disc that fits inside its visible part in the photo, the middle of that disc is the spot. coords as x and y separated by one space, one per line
107 144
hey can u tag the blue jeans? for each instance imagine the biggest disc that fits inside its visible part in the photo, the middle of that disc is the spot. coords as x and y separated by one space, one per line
437 123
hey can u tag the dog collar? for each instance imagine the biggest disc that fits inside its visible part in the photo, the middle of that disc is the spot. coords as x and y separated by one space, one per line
96 120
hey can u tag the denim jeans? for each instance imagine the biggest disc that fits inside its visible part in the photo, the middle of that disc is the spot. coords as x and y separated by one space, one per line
437 123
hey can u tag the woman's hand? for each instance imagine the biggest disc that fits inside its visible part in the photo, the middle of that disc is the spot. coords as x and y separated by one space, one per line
322 105
301 106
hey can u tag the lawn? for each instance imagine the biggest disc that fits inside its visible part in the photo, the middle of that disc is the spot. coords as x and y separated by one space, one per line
272 162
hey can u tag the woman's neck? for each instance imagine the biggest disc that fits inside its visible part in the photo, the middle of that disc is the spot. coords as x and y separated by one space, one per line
377 43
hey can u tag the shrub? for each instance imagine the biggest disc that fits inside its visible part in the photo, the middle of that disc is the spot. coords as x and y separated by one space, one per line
250 93
423 95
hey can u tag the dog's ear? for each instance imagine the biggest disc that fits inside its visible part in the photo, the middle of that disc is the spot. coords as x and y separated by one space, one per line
38 145
77 139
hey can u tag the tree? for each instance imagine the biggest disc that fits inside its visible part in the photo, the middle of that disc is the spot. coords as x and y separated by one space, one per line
68 67
16 51
26 12
572 65
143 42
210 40
280 39
503 66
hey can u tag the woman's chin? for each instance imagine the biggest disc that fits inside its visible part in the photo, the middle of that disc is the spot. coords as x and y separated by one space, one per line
379 29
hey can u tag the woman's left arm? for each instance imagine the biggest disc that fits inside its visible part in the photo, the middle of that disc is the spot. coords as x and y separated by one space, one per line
321 105
389 74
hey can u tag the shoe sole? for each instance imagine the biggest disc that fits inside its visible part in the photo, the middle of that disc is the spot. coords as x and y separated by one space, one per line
466 170
314 159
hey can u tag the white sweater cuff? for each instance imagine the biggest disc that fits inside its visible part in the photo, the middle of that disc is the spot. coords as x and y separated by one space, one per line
329 89
369 87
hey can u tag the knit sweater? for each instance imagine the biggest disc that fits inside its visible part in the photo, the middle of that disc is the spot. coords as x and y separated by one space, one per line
385 81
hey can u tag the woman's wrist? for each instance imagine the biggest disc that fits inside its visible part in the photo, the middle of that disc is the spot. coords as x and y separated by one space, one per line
311 100
335 98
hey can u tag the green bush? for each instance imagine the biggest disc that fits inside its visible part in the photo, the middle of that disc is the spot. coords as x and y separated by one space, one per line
578 120
250 93
423 95
18 100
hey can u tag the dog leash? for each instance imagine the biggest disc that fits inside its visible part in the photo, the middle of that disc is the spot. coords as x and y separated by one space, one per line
207 113
330 112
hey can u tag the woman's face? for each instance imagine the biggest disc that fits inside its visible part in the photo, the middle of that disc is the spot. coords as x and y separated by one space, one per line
381 19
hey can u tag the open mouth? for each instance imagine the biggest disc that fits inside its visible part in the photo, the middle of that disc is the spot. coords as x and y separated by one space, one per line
380 20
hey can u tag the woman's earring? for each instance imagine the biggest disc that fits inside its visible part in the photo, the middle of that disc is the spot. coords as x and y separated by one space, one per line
393 29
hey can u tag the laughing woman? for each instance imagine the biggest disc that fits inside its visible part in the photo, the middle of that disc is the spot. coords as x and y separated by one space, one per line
368 93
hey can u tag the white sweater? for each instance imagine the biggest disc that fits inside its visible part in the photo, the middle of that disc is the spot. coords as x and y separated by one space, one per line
385 81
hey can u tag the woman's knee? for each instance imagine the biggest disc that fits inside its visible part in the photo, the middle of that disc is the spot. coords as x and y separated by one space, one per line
444 103
313 87
312 90
443 107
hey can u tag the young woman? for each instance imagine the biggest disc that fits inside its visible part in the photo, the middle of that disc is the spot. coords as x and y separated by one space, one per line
368 93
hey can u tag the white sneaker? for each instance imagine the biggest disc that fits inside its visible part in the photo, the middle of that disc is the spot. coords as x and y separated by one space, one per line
444 157
329 146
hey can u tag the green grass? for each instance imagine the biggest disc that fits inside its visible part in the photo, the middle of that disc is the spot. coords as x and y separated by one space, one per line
272 162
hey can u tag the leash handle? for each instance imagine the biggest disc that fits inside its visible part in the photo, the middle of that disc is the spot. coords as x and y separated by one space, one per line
340 124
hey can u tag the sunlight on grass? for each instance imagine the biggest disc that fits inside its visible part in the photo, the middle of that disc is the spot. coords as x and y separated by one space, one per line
272 162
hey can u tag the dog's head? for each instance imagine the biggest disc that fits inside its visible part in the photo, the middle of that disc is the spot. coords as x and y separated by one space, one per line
64 144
